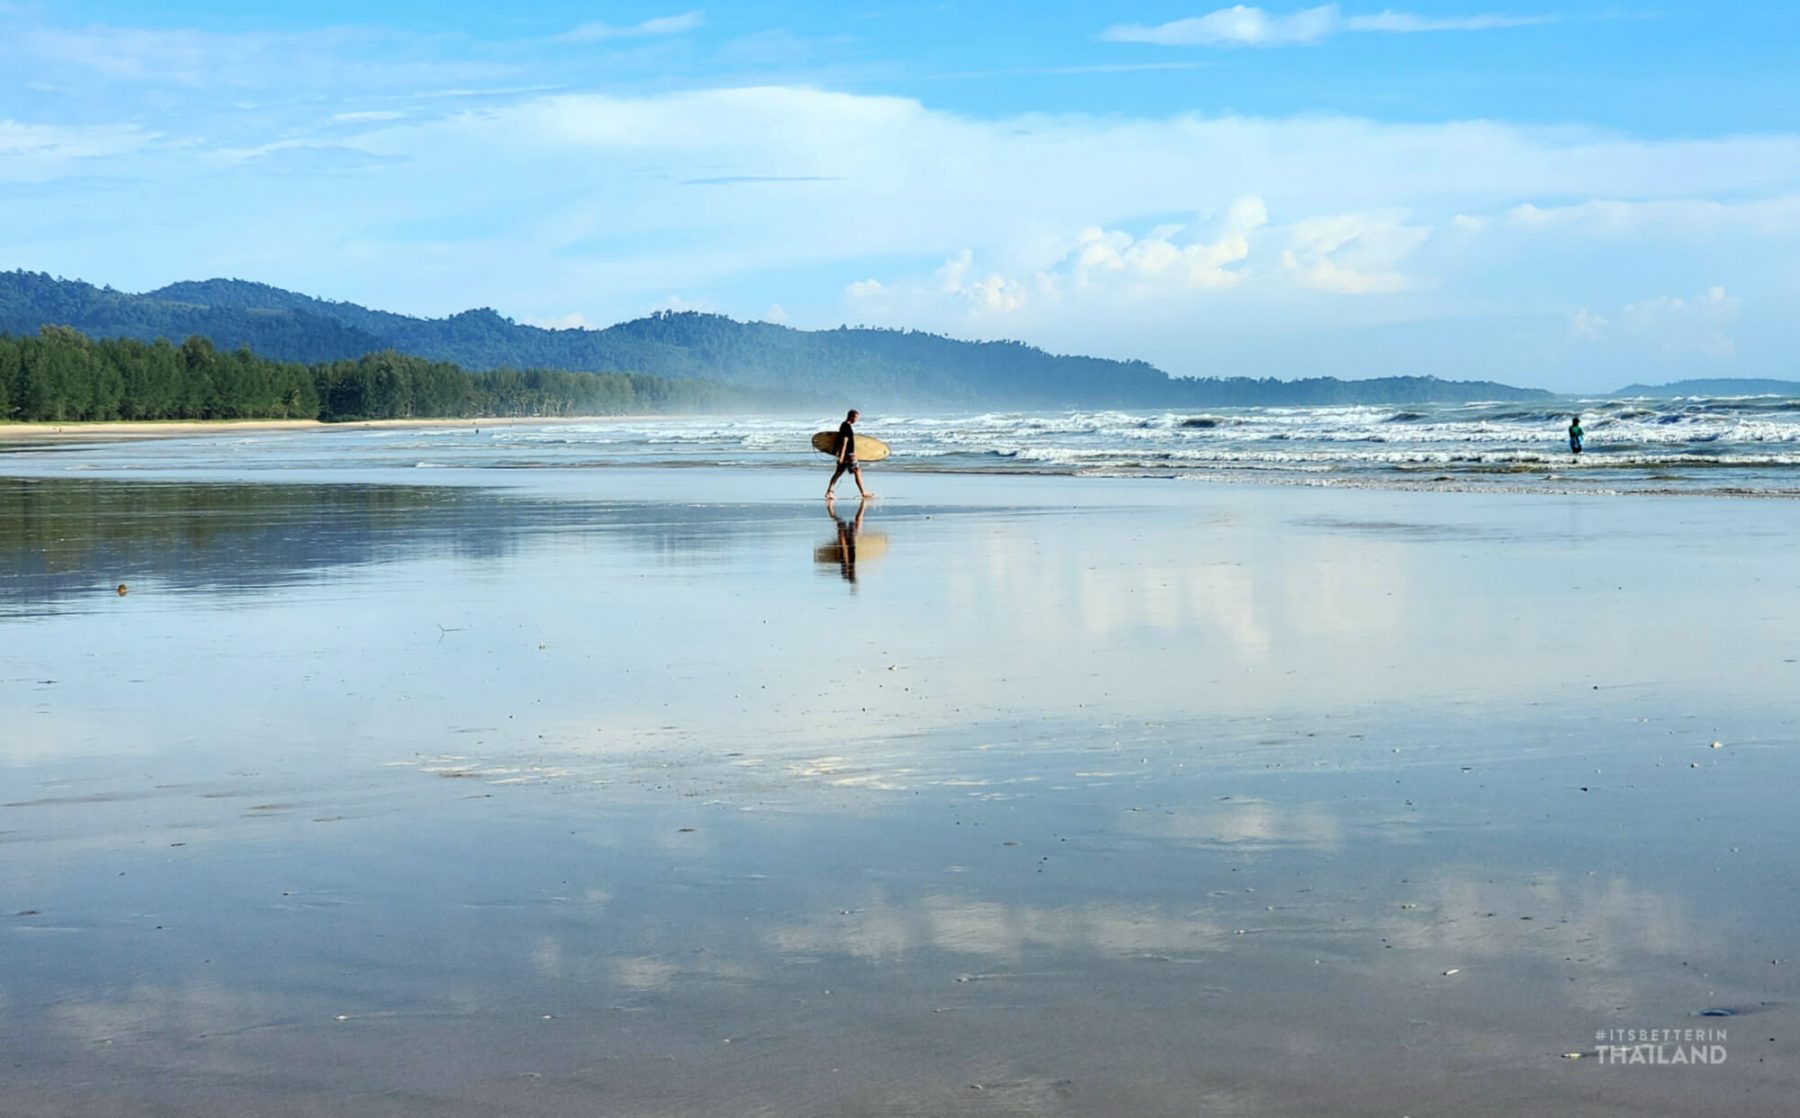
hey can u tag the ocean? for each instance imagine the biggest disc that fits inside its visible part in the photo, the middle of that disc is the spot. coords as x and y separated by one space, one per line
1733 446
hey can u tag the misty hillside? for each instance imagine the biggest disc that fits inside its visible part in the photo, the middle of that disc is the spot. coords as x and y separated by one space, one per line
1715 386
869 367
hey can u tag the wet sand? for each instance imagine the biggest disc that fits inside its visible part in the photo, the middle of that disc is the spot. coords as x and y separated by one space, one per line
669 792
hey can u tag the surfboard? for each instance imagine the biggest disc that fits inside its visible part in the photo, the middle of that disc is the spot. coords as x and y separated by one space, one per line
867 449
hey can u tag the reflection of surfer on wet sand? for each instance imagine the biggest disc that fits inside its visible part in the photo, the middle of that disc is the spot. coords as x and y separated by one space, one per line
850 544
847 532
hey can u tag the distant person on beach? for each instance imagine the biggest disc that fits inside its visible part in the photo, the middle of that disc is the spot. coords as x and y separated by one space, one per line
1575 434
846 457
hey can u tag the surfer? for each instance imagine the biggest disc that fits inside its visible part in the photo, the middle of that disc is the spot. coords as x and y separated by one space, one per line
1575 434
846 457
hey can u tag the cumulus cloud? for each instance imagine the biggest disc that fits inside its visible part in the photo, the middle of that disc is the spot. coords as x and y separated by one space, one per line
1103 263
1160 258
992 292
1354 254
1244 26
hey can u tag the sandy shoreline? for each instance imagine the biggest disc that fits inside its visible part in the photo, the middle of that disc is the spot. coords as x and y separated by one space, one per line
120 430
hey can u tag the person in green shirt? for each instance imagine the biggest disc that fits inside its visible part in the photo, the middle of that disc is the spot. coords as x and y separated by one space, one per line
1575 434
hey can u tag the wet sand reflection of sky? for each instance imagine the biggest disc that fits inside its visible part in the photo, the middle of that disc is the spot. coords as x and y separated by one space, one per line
1183 795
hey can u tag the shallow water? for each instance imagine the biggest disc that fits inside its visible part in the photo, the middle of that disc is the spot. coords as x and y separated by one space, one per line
576 791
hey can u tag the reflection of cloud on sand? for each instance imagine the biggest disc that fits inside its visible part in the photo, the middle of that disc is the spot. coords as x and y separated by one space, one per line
1602 927
643 973
166 1015
1102 591
1351 593
848 773
1602 922
36 736
1243 824
1268 598
992 930
579 964
1220 596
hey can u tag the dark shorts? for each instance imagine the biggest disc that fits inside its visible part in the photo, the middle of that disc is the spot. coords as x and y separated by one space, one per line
849 463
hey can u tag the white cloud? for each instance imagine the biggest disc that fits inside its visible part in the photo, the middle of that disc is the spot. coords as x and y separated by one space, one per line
1098 263
1686 326
370 116
1354 254
1611 216
1242 25
777 314
1234 26
19 140
537 196
1159 259
1667 327
1587 325
682 303
990 293
662 25
574 320
363 59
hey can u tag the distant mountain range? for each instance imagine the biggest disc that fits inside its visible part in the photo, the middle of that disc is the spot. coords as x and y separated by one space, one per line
1716 386
871 368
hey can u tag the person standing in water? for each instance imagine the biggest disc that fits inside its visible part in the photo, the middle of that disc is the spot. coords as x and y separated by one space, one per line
846 457
1575 434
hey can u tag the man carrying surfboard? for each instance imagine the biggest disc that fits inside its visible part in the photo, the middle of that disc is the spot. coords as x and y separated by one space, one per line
846 457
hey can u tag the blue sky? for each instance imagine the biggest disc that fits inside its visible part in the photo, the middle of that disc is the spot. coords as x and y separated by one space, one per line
1564 194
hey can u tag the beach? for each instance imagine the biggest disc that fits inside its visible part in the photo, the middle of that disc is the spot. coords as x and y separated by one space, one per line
72 434
514 788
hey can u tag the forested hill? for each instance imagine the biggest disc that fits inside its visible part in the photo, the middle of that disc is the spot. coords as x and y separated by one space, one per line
1715 386
873 368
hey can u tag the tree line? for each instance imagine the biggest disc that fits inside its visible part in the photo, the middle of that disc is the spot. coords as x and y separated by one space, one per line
60 375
